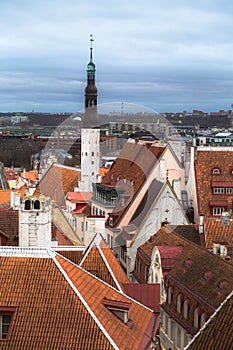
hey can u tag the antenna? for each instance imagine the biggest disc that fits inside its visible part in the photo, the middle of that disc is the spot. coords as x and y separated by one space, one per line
91 47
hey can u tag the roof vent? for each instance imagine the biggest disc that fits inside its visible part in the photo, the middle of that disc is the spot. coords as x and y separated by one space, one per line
207 275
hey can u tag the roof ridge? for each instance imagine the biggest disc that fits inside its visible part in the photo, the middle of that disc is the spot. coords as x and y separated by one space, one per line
85 304
109 268
209 320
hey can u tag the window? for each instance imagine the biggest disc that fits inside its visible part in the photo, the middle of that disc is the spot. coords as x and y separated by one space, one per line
166 324
111 221
216 171
218 190
37 205
6 317
178 305
178 337
27 204
92 154
218 211
186 307
114 199
203 319
82 226
196 318
172 329
169 297
229 190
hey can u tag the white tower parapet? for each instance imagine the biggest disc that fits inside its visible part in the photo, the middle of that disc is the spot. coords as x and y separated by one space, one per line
35 217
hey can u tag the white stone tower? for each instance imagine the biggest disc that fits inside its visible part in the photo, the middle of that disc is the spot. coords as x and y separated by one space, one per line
90 133
35 218
90 158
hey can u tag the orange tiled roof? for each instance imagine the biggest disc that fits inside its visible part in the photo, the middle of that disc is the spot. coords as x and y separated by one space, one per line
5 196
31 175
217 332
100 260
205 162
103 171
79 197
49 314
58 181
93 291
214 231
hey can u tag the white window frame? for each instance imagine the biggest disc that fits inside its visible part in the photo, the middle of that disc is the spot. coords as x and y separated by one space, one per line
219 190
217 211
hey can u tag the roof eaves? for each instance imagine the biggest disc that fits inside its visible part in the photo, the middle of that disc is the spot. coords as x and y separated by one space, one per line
84 302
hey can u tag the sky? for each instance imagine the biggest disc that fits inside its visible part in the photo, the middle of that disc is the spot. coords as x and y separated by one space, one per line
165 55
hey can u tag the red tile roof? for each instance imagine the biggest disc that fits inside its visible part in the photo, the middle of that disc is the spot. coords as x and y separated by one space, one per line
93 291
217 332
49 314
190 276
146 294
9 225
214 231
5 196
79 197
100 260
58 181
79 208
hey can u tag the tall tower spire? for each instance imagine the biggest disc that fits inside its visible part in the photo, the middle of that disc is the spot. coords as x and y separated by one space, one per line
90 118
90 132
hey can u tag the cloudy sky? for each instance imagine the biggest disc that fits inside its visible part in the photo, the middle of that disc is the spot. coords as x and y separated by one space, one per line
163 54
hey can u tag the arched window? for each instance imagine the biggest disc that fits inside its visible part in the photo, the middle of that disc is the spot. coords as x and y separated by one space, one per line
114 199
203 317
169 296
178 303
27 204
37 204
216 171
186 308
196 318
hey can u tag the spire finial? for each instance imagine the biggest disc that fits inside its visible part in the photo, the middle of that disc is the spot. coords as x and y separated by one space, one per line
91 48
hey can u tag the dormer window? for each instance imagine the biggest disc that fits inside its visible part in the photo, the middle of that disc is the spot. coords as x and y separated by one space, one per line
120 309
6 318
216 171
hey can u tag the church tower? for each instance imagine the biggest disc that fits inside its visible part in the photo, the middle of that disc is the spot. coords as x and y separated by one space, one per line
90 132
90 118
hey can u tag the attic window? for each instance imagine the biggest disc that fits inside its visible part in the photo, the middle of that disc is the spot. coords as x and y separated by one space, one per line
120 309
6 318
216 171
